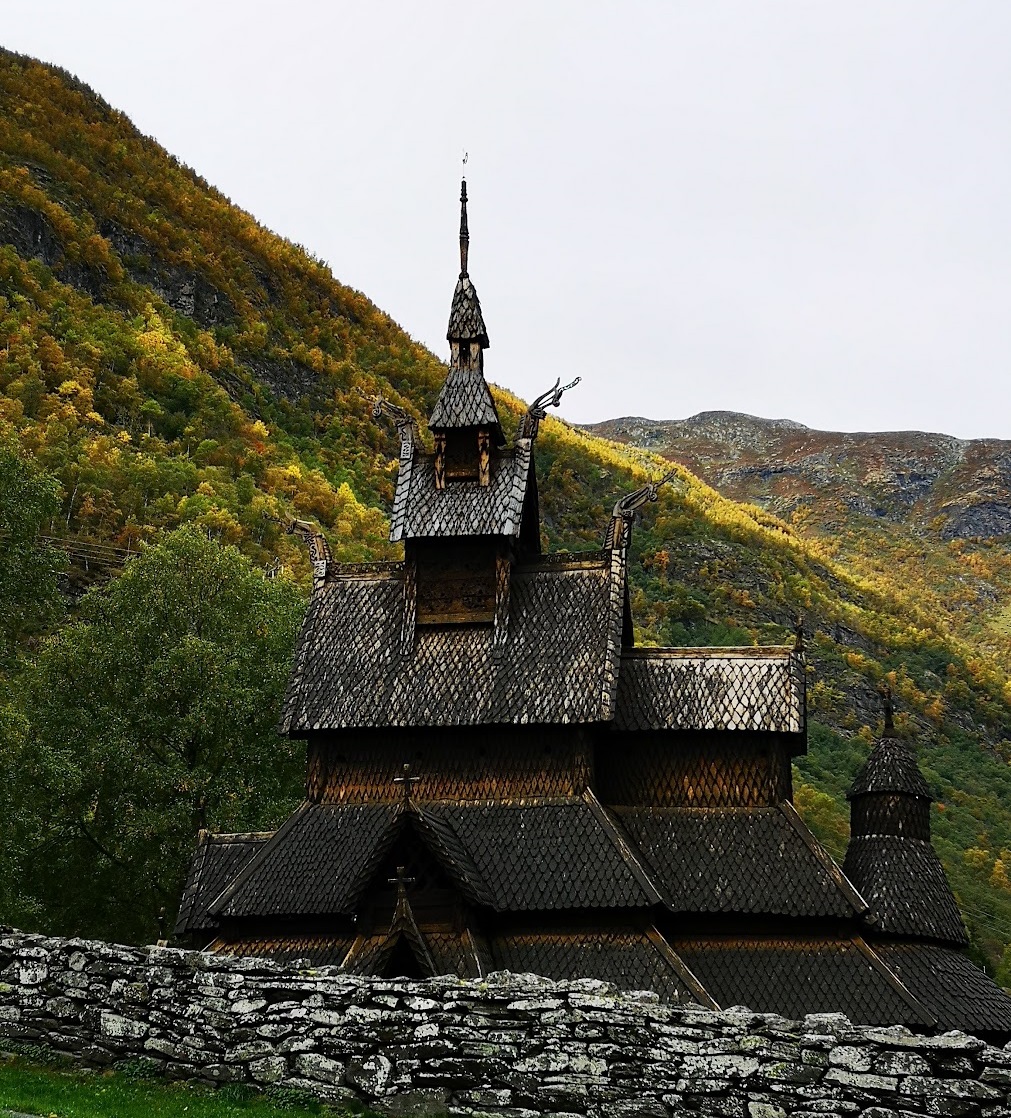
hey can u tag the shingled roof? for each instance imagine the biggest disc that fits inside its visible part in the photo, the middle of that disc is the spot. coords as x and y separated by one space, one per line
216 861
904 883
466 322
955 991
800 975
558 666
548 855
317 950
628 958
891 767
711 689
465 401
525 857
464 508
315 864
738 860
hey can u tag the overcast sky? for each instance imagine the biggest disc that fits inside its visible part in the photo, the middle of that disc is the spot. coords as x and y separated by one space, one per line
793 209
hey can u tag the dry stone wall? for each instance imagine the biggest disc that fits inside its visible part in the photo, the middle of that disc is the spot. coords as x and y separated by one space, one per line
517 1046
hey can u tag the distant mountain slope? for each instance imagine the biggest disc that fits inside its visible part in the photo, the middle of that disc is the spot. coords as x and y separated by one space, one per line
956 488
169 360
927 511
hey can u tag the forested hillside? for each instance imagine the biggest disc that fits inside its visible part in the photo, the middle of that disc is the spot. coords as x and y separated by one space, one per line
168 362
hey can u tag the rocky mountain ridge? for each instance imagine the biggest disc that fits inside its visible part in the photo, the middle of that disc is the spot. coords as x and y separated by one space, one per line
955 488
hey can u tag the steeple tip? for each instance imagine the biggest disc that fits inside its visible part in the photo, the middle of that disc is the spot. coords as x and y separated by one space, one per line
464 231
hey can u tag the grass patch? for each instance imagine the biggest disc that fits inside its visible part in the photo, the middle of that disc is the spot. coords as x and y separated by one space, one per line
72 1092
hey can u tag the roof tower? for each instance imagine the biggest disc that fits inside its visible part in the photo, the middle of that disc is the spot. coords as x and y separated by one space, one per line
890 858
465 401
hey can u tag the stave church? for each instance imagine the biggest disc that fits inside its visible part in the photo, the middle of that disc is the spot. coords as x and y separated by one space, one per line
498 778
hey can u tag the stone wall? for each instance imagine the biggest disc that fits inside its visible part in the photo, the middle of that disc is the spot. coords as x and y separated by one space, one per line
517 1046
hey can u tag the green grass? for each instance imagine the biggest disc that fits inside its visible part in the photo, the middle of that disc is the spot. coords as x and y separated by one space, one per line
70 1092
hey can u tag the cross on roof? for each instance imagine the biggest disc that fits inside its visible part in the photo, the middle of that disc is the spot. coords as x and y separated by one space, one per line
406 781
401 881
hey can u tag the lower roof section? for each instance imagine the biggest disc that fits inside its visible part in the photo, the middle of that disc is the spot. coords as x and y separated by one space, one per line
629 959
952 987
757 861
218 859
317 950
797 975
545 855
887 984
538 855
548 856
315 864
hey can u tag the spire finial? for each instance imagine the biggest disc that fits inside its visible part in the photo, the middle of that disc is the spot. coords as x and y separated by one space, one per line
886 698
464 232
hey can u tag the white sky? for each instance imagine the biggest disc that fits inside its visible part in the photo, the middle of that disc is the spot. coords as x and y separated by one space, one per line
797 209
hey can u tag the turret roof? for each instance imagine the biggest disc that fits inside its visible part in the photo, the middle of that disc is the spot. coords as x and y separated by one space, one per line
903 881
891 767
465 401
466 322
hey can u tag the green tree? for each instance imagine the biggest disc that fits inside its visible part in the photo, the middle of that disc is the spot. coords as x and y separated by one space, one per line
148 718
29 590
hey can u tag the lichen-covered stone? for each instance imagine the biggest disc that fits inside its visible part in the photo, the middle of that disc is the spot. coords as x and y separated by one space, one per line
515 1046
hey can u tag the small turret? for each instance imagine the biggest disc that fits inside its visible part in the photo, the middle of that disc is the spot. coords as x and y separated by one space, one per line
890 858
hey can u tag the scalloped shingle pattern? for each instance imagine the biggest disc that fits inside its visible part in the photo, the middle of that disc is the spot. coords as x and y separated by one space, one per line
312 863
463 508
465 401
903 881
216 861
710 690
349 669
958 993
626 958
448 848
749 861
466 322
798 976
543 856
891 767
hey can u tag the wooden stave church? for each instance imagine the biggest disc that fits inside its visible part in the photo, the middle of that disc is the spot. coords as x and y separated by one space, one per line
499 779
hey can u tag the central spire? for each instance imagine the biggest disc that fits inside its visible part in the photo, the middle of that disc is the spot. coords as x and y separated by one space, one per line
465 401
466 322
464 231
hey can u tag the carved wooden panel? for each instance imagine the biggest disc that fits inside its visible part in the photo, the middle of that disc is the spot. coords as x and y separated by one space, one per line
456 583
462 454
440 461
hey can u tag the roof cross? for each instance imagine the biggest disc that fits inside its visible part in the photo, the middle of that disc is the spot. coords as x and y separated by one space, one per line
406 781
401 881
